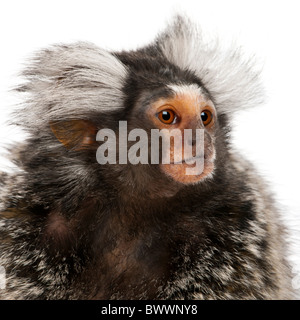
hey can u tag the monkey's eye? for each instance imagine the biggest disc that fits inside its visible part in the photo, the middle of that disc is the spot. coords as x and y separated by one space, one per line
167 116
206 117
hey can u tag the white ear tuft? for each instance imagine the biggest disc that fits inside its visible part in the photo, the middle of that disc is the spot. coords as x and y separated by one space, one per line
232 81
70 82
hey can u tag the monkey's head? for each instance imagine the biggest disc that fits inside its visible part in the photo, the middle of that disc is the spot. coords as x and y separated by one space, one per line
124 116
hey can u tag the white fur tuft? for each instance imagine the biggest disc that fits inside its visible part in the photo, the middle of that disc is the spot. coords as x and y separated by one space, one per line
232 82
69 81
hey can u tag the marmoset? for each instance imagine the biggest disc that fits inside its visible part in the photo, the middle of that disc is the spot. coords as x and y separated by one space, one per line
74 225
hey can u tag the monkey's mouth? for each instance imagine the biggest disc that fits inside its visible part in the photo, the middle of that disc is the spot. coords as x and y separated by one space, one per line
192 169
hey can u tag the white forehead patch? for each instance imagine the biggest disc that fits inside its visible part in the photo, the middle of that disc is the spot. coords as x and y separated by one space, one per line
191 89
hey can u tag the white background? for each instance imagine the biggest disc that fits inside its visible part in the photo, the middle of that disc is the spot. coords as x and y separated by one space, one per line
267 135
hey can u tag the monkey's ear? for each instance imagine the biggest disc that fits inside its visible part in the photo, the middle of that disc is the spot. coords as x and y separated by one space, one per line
75 134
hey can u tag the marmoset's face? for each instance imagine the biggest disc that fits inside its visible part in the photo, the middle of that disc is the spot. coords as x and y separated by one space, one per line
187 122
174 131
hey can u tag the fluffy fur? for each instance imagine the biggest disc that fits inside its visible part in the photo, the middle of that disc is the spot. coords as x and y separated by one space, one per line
232 81
72 229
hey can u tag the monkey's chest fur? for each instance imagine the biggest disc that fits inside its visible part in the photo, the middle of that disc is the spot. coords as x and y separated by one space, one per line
141 253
